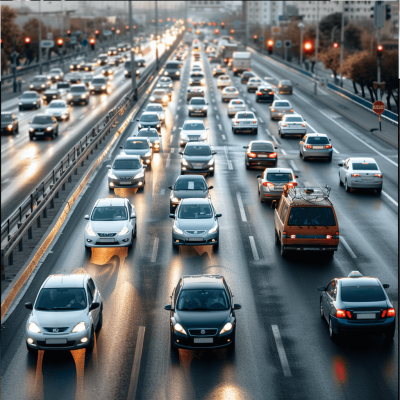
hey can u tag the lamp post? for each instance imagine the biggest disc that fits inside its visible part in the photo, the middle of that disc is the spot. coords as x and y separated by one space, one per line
316 50
156 35
133 62
40 38
301 26
341 44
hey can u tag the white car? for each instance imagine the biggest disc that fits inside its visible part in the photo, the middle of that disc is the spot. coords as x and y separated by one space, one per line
67 312
360 173
58 109
228 93
246 122
254 83
193 130
158 108
55 74
235 106
292 124
224 81
112 223
160 96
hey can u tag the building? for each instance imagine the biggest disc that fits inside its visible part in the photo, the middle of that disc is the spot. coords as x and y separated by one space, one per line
264 13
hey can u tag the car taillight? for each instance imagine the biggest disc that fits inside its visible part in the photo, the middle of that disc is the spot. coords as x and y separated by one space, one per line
280 85
328 236
269 184
308 146
210 60
391 312
223 71
252 155
284 125
248 69
273 155
258 93
378 175
348 313
254 122
340 314
270 92
303 124
337 233
291 110
273 110
236 122
225 60
235 69
291 184
383 314
328 146
292 236
355 175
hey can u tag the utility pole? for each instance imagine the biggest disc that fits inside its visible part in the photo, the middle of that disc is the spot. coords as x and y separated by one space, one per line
157 35
316 51
301 26
341 45
14 56
133 61
245 23
379 91
40 38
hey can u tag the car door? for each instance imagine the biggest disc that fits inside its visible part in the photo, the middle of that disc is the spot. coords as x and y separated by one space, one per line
96 299
90 301
131 210
327 299
302 142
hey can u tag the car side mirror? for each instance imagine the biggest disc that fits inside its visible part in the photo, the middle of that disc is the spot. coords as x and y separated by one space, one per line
214 152
245 147
296 176
172 216
133 215
237 307
340 164
218 215
259 176
109 166
168 307
29 306
93 306
304 119
330 140
87 217
273 204
120 147
181 152
385 285
210 187
321 288
137 119
170 187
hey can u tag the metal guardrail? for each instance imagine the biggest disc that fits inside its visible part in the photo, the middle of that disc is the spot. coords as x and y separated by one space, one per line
30 210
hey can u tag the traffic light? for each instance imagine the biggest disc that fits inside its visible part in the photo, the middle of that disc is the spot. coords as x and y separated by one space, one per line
379 50
1 43
168 19
60 43
112 29
216 31
335 45
270 44
388 10
255 37
97 34
308 47
118 31
27 41
92 43
69 33
222 24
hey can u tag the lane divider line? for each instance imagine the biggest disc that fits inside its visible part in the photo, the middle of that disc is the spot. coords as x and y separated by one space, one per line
335 150
281 351
162 192
170 138
223 137
241 208
220 127
155 249
283 152
261 120
349 250
136 364
293 165
168 160
390 198
254 248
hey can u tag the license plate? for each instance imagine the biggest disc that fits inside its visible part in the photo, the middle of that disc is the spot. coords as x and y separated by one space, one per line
107 240
196 239
243 123
262 155
278 187
204 340
39 133
366 316
318 147
124 182
56 341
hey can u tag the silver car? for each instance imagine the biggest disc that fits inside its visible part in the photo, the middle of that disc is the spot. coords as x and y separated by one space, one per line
254 83
292 124
99 85
157 108
198 106
193 130
165 82
316 145
29 100
279 108
39 83
235 106
154 137
285 86
360 173
126 172
138 147
195 223
198 158
224 81
78 94
159 96
58 109
270 183
197 79
229 93
245 122
55 75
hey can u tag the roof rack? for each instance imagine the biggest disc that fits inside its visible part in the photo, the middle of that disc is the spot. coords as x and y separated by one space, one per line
310 194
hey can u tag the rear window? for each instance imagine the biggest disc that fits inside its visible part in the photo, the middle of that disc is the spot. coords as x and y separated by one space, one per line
237 102
42 119
358 294
318 140
159 92
248 115
313 216
186 184
282 104
154 108
262 146
286 82
293 119
197 75
63 85
365 166
281 178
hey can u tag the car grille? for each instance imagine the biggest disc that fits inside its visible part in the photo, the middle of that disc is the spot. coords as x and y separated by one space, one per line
125 178
56 330
207 332
195 232
193 137
39 130
106 234
42 343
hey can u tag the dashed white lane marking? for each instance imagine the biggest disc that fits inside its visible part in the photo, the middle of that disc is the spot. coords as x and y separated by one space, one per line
168 160
162 192
261 120
293 165
215 108
82 116
223 137
283 152
392 200
230 166
335 150
173 150
281 351
179 107
345 244
220 127
170 138
155 250
253 109
174 128
136 363
241 208
253 248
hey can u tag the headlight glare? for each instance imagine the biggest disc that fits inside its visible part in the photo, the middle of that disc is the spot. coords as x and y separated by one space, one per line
124 231
228 327
34 328
179 328
139 175
79 327
89 230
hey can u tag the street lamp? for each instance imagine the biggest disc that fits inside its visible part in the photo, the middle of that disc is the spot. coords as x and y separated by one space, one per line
301 26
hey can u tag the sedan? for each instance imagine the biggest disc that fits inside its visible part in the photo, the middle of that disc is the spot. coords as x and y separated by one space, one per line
260 153
88 67
196 79
235 106
43 126
187 187
285 86
9 122
198 157
246 76
194 92
78 94
112 51
316 145
73 77
160 96
360 173
58 109
55 75
153 136
75 65
108 71
165 82
99 85
229 93
271 182
292 124
193 130
213 57
253 84
151 120
357 303
87 79
102 59
195 223
126 172
72 299
279 108
138 147
264 93
198 106
140 62
224 81
218 70
29 100
62 87
128 69
112 223
39 83
202 314
245 122
156 108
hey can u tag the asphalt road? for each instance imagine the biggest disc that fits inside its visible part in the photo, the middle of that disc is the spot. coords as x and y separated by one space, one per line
283 349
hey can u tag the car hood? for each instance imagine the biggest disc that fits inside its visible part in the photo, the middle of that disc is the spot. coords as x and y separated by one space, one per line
189 194
197 224
108 226
59 319
6 123
135 152
56 111
41 126
125 172
28 101
193 159
151 138
202 319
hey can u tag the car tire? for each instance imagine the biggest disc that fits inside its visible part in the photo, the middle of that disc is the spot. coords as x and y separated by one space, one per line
283 252
321 311
329 254
300 154
277 241
346 187
332 334
32 352
88 250
205 114
211 173
17 130
182 172
174 349
378 191
90 345
20 108
255 131
30 137
304 158
329 159
134 234
389 334
100 323
231 347
247 165
262 199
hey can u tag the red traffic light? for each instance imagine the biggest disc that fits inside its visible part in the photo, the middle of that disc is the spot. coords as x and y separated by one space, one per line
92 41
380 48
232 31
190 29
214 23
96 32
270 42
27 40
60 42
335 45
255 37
216 31
168 19
308 46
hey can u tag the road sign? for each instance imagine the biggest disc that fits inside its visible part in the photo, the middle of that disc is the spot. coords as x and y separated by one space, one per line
50 35
237 24
288 44
378 107
73 40
275 29
107 32
47 44
84 42
278 44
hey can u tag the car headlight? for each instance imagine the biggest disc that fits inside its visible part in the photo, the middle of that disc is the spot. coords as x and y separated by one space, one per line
190 81
139 175
165 72
177 73
64 116
137 71
92 87
184 162
213 229
158 125
34 328
69 96
43 85
228 327
71 66
152 98
124 231
57 76
34 102
140 125
31 130
79 327
202 81
203 136
112 176
175 200
83 96
205 108
211 162
170 85
179 328
49 128
190 107
103 72
9 126
89 230
148 154
165 98
158 85
20 104
157 142
103 87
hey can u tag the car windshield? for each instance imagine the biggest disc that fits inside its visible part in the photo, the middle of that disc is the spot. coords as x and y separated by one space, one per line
198 101
159 92
282 104
197 75
365 167
193 126
262 146
6 117
55 71
148 133
58 104
200 150
99 81
111 213
41 79
61 299
42 119
78 89
62 85
293 119
128 64
358 294
202 300
231 89
187 184
126 164
317 140
314 216
278 177
248 115
149 118
29 96
136 144
167 80
195 211
172 65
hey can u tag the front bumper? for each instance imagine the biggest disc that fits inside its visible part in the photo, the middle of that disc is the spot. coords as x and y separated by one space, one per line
286 90
116 183
78 101
173 76
345 325
119 241
27 106
204 239
45 134
98 90
323 153
277 114
4 129
184 141
197 112
187 341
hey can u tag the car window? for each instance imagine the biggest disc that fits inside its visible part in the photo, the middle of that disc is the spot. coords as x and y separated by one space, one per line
99 80
42 119
194 126
365 166
110 213
195 211
40 79
128 64
57 104
358 294
186 184
90 294
78 89
317 140
148 133
92 285
202 300
279 178
197 101
149 118
165 80
262 146
248 115
126 164
282 104
136 144
29 96
197 75
293 119
329 289
6 117
61 299
314 216
200 150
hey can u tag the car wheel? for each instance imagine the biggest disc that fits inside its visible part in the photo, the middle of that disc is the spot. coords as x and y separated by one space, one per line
134 235
100 323
182 172
332 334
189 114
262 199
30 137
211 173
283 252
378 191
389 334
329 254
256 131
282 135
330 159
174 349
247 165
321 310
276 238
17 130
88 250
346 187
304 158
90 346
300 154
32 352
20 108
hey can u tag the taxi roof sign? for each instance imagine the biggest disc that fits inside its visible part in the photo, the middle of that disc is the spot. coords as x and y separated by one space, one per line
355 274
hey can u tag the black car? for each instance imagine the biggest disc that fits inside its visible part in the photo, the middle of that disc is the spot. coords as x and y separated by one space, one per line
173 69
29 100
9 123
43 126
202 313
260 153
76 65
51 94
128 69
151 120
187 187
246 76
357 303
265 93
198 158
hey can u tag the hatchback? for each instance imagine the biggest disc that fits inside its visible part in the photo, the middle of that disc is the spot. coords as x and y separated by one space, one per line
245 122
126 172
260 153
253 84
292 124
193 130
198 106
43 126
55 75
315 145
173 69
52 94
99 85
138 147
39 83
218 70
196 79
29 100
58 109
272 181
198 157
265 93
78 94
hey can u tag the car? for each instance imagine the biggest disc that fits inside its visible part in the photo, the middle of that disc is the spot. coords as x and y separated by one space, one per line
138 147
157 108
119 59
102 59
58 109
246 76
52 94
272 181
197 106
122 47
253 84
235 106
165 82
279 108
218 70
194 92
198 157
187 187
360 173
87 79
197 56
43 126
173 69
127 171
150 120
292 124
245 121
112 51
39 83
112 223
197 78
202 314
196 68
55 75
63 87
315 145
160 96
285 86
9 122
73 300
153 136
76 65
265 93
108 71
29 100
229 93
193 130
128 69
224 81
73 77
99 85
140 62
78 94
195 223
88 67
357 303
260 153
214 58
197 65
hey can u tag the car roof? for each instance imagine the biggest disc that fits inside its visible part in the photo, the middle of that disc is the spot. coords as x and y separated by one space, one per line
62 281
191 177
197 98
279 170
149 113
202 281
127 157
362 159
194 143
193 120
316 134
359 281
110 202
195 200
6 113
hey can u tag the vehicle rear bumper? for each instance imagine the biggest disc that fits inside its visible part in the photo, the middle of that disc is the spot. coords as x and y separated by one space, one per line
265 98
317 153
309 247
365 185
344 325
